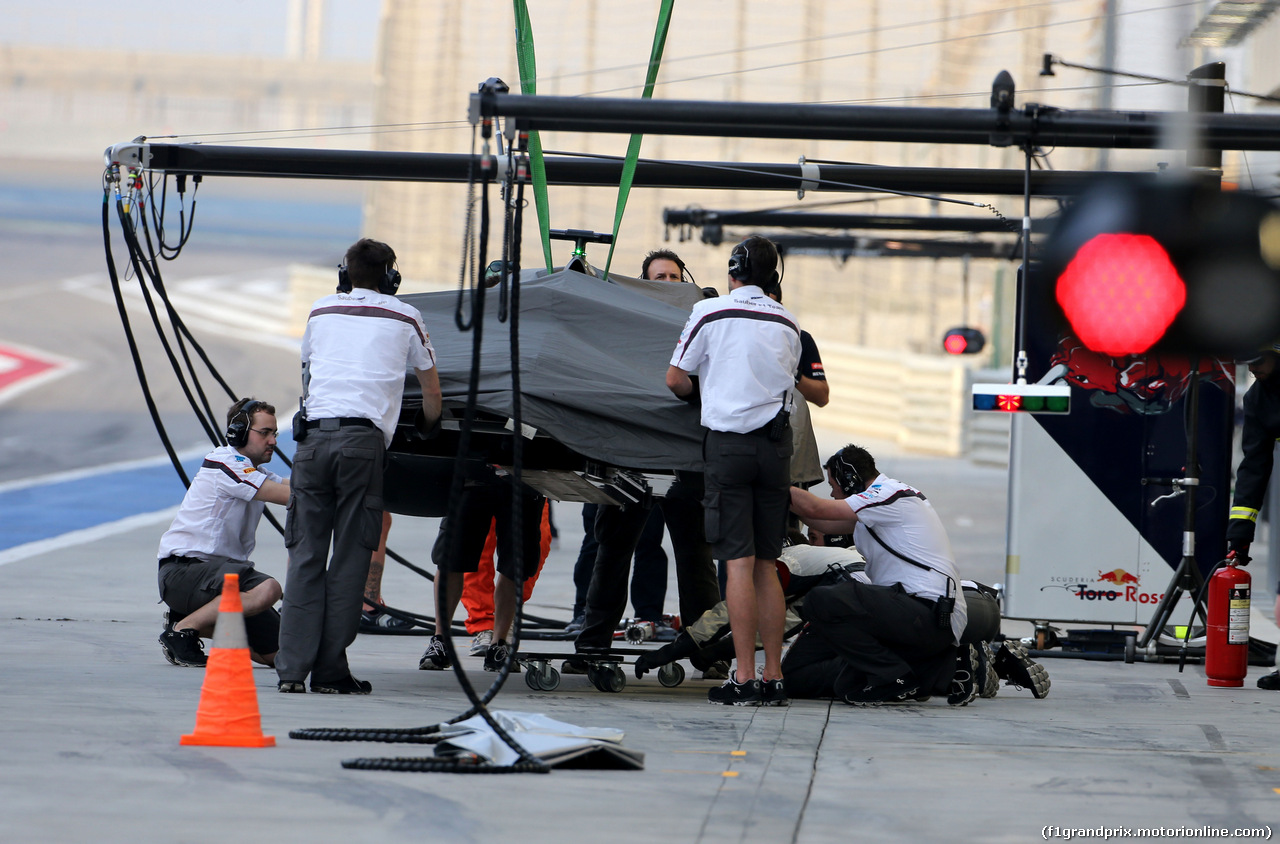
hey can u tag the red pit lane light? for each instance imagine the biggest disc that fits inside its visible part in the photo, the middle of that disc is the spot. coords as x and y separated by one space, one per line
1121 292
1022 398
964 340
1167 266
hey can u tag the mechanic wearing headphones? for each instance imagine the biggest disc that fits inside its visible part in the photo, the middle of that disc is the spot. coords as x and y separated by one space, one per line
214 534
744 349
898 636
357 345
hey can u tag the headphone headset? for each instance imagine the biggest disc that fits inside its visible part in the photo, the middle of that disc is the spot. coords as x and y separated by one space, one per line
845 476
740 268
238 427
388 284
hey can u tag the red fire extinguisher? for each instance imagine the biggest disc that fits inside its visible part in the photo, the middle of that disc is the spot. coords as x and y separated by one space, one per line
1226 655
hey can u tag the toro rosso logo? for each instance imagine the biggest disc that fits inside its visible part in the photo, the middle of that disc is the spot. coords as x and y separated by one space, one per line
1123 587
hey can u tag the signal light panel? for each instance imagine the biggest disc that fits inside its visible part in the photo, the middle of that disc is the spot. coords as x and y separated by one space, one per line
1022 398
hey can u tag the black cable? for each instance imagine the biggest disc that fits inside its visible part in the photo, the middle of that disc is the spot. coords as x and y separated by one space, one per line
128 332
526 762
212 428
143 269
470 764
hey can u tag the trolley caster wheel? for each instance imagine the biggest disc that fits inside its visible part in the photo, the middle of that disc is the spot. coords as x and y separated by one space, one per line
548 677
593 676
532 679
612 679
671 674
1130 649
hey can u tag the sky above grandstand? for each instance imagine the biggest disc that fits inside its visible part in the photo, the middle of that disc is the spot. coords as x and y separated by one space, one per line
249 27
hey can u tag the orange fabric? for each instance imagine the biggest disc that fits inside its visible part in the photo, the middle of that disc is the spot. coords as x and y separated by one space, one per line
228 712
477 586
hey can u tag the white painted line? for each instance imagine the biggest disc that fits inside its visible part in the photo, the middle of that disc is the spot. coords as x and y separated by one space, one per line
94 471
81 537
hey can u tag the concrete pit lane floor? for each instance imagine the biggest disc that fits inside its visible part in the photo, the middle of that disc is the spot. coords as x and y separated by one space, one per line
93 714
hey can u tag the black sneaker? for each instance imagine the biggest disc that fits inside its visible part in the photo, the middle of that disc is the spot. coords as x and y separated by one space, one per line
988 679
436 658
1270 682
296 687
964 683
348 685
898 691
1017 669
496 655
183 647
773 694
733 693
576 625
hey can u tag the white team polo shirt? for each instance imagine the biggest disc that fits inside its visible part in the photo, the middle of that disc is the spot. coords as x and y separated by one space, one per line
218 516
358 346
908 523
745 348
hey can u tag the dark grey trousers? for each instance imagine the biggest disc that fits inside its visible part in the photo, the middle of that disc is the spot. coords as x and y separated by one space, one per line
618 531
336 493
860 635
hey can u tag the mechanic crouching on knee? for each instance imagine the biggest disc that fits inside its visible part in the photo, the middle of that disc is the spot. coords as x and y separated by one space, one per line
898 635
214 534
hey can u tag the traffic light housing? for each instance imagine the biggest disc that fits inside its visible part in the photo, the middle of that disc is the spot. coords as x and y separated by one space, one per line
964 340
1167 266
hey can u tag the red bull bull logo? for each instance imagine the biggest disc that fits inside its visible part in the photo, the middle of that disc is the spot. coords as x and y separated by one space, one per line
1126 588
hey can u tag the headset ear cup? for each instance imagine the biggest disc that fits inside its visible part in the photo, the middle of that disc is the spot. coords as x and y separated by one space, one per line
238 429
344 280
237 433
391 283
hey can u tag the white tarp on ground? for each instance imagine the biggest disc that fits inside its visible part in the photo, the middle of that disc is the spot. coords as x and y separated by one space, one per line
554 742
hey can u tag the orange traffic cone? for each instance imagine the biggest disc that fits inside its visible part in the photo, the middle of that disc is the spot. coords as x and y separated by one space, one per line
228 712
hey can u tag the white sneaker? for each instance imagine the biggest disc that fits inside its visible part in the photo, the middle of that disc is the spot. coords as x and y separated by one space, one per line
480 644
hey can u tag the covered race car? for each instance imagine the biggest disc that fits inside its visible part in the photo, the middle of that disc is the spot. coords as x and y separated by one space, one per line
599 422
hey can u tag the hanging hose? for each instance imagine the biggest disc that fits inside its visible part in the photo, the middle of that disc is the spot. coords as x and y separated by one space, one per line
128 330
526 763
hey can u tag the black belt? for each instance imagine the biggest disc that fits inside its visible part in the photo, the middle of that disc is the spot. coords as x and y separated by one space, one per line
344 422
763 430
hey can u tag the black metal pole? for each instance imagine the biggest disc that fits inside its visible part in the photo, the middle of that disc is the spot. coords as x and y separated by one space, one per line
367 165
1046 127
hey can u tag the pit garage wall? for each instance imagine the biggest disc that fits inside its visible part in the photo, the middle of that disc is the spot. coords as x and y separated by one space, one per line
919 402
